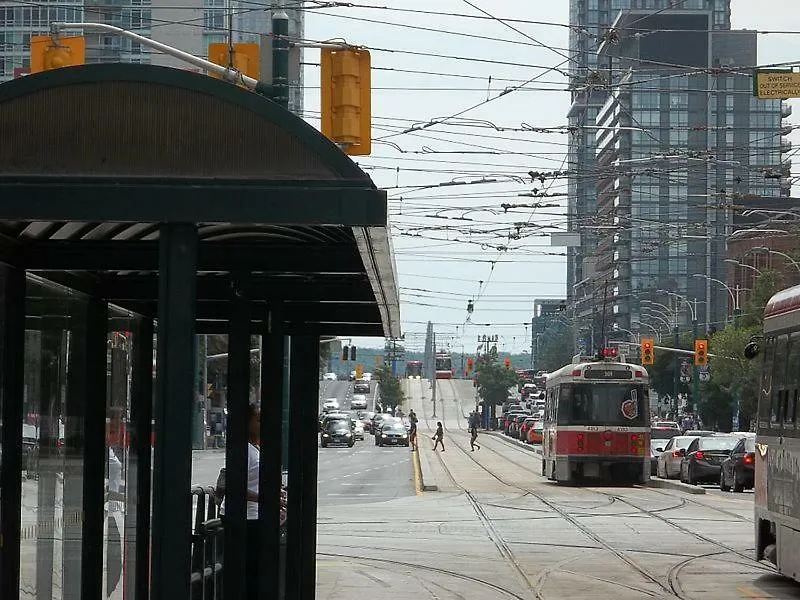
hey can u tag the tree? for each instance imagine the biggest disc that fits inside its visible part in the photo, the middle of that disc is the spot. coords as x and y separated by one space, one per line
391 390
494 381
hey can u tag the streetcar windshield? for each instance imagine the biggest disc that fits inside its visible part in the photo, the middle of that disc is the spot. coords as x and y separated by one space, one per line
443 364
603 404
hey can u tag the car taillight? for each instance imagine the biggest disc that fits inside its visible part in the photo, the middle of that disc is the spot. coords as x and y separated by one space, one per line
699 455
749 459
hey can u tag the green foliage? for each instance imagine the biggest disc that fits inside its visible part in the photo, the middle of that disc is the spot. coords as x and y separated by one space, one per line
390 388
731 372
494 380
766 285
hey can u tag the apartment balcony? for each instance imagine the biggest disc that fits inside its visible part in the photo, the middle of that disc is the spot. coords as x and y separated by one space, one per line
786 146
786 110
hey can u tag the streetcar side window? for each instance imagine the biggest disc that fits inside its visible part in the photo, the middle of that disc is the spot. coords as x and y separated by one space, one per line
765 389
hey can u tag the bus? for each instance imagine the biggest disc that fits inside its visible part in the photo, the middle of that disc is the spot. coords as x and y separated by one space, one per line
444 366
414 369
777 448
597 422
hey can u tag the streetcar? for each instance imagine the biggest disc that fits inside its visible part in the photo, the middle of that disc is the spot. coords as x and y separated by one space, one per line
444 366
597 421
414 369
777 449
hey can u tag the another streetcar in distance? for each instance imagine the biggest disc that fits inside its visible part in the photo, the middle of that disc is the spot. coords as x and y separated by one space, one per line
777 449
414 369
597 422
444 366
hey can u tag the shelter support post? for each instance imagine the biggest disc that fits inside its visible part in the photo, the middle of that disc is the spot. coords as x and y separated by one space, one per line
95 452
272 560
236 550
12 362
302 510
175 386
137 513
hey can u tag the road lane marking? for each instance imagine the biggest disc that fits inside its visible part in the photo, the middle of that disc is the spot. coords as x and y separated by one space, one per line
751 593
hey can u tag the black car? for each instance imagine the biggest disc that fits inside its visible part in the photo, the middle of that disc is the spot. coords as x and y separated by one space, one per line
337 431
377 421
392 434
738 470
704 456
361 387
386 421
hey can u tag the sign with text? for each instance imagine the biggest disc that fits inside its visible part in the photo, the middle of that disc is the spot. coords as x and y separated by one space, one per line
776 84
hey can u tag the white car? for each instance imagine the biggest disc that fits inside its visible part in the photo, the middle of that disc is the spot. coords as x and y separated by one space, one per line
359 401
330 404
329 377
366 376
358 432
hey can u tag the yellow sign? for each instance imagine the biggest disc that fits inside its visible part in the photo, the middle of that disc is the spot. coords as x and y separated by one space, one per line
246 58
49 53
775 84
359 371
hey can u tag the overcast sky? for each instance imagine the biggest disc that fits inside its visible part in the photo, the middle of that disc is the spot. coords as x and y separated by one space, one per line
454 243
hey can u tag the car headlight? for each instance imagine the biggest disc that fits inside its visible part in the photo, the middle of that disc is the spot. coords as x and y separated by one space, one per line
325 435
348 434
383 435
404 436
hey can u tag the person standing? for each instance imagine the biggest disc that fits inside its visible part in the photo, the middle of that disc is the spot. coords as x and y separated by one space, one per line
252 530
412 416
438 437
473 430
412 435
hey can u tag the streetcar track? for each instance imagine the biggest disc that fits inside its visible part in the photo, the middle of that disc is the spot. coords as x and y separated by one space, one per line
439 570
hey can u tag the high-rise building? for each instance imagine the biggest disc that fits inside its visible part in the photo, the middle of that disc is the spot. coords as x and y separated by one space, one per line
590 23
189 25
681 145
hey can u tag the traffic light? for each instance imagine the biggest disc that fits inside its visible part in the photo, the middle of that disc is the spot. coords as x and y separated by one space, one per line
246 58
648 355
507 363
346 99
352 352
345 353
470 365
49 53
701 353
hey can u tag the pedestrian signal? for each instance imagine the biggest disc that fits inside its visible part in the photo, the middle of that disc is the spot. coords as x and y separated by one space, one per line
49 53
648 356
346 99
701 353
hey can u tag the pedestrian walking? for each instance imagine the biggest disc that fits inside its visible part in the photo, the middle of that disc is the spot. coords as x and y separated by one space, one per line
412 416
474 436
438 437
412 435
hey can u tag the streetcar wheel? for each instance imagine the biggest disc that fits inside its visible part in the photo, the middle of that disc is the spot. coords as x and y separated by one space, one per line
722 485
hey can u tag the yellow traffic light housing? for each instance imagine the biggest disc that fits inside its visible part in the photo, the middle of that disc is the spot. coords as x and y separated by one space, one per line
246 58
648 351
507 363
48 53
346 99
701 353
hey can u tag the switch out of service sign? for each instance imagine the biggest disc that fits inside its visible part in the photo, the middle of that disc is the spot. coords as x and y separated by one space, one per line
776 83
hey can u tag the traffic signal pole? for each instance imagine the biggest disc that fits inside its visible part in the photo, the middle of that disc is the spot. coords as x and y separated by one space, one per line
280 58
695 372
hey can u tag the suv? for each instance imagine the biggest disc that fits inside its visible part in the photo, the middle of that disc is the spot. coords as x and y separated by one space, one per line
338 431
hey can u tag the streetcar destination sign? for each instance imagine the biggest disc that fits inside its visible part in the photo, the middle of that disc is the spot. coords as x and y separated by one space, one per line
607 374
776 84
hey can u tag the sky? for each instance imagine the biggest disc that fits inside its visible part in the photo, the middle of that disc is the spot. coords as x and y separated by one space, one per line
500 81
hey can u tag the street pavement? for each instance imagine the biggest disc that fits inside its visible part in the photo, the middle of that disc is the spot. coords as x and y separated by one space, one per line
497 529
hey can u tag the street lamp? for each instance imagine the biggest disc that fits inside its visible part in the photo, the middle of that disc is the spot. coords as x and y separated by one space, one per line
731 261
655 331
655 315
783 254
734 298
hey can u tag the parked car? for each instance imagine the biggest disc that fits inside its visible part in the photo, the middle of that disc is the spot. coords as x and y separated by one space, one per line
737 472
669 462
703 458
536 432
666 425
527 423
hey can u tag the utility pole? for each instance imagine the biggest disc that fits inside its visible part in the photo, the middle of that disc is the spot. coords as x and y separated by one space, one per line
280 58
433 372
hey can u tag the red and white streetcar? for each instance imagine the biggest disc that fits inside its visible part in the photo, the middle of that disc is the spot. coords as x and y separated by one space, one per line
597 421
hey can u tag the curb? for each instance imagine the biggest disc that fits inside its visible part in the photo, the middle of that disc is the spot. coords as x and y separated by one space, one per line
657 482
511 442
419 485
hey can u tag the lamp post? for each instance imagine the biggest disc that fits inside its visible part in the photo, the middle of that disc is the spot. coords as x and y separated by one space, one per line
732 261
734 297
676 374
783 254
695 371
